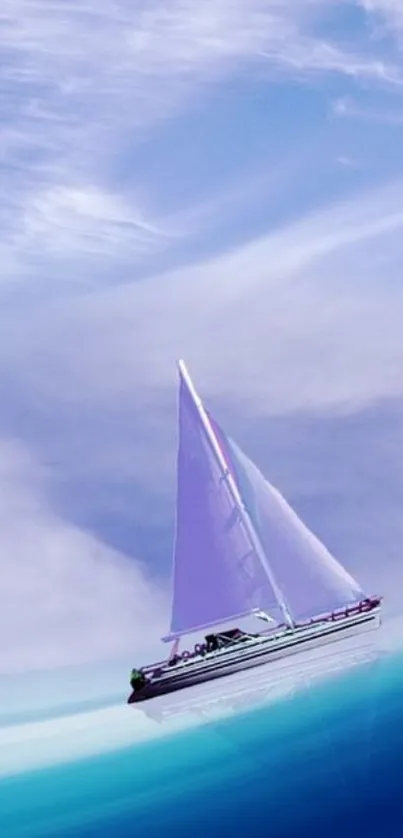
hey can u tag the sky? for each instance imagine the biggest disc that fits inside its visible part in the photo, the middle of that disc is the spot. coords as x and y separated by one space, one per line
219 181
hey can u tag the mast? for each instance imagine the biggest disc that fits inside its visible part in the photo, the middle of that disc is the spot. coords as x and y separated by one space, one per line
234 491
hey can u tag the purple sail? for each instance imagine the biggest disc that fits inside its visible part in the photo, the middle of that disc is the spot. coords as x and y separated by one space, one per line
217 574
311 579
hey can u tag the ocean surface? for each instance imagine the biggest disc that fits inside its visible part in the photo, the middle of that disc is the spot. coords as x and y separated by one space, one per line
308 747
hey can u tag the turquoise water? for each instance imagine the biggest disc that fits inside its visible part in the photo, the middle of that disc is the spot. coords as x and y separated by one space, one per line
325 761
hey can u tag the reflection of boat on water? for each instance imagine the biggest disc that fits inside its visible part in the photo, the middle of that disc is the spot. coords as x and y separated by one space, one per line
241 551
282 679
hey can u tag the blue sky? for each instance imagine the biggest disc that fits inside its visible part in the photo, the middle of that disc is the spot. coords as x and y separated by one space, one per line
220 181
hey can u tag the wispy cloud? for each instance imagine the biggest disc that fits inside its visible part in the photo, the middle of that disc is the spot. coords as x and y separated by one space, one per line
82 81
387 15
347 162
349 108
63 224
79 47
310 284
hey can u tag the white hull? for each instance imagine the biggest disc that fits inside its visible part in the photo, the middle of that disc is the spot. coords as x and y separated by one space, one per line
277 679
253 652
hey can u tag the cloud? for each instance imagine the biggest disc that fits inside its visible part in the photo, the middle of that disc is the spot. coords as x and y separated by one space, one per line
348 108
65 597
68 224
389 13
83 83
101 47
253 322
346 162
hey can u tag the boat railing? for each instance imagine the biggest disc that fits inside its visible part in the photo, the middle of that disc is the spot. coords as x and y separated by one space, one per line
365 605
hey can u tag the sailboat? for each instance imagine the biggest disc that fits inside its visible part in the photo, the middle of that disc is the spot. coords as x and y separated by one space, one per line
240 552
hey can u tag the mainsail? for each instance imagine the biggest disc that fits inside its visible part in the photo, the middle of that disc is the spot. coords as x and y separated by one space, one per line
239 547
218 574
